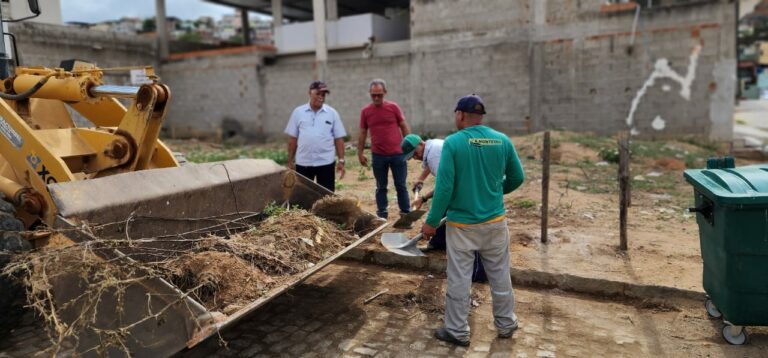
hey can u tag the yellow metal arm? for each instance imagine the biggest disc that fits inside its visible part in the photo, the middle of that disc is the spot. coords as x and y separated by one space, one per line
125 139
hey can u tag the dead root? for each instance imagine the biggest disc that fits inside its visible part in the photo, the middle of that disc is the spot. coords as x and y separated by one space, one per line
222 273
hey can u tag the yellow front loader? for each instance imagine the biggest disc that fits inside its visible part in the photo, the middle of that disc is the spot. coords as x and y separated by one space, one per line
116 179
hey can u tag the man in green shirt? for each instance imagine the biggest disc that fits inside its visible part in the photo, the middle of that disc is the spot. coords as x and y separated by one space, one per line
477 167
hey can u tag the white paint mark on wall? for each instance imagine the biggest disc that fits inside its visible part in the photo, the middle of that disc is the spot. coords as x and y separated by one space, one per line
662 70
658 123
666 88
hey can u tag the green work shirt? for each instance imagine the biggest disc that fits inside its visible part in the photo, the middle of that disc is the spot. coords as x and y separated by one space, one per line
478 166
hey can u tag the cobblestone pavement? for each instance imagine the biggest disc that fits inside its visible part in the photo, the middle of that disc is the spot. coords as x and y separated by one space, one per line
326 317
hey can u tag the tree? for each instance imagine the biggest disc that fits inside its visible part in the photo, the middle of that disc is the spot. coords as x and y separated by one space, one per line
191 37
148 25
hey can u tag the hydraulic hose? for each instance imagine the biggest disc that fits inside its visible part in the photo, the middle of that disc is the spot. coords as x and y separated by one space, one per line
29 92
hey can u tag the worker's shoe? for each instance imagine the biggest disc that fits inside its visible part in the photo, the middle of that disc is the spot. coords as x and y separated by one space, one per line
506 333
443 335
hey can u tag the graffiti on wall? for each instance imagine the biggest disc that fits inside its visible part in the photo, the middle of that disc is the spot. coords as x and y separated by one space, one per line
662 70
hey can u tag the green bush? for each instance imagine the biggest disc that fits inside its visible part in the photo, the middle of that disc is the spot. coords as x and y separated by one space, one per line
610 155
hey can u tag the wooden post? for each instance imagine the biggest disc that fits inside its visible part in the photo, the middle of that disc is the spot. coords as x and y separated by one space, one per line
624 191
545 187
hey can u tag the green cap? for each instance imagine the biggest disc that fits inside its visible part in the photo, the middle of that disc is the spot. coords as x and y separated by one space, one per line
409 144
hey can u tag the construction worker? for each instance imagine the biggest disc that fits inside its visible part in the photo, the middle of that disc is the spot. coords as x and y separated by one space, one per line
315 132
387 125
477 167
428 152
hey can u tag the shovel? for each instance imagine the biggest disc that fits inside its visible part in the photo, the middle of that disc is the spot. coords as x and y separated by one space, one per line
400 244
406 220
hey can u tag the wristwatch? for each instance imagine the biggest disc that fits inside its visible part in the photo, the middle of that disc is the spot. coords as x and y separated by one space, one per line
341 161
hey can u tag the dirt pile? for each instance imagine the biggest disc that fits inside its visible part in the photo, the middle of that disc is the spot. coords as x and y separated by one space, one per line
224 273
220 280
232 271
346 212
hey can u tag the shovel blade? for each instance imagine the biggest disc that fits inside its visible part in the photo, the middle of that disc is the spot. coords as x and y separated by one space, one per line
394 240
400 244
408 251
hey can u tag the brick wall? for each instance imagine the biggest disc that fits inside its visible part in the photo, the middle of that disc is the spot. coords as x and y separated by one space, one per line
539 64
216 96
590 79
47 45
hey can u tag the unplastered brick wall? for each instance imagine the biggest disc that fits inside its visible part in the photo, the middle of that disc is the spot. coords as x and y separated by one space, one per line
439 17
673 77
215 96
498 73
539 64
47 45
287 87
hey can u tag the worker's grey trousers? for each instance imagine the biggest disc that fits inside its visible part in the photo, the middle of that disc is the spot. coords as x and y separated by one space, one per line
492 242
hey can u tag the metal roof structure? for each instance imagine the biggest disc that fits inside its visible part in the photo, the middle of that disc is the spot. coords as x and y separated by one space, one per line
301 10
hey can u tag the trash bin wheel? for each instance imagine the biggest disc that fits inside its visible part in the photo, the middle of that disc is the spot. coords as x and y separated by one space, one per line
736 335
712 310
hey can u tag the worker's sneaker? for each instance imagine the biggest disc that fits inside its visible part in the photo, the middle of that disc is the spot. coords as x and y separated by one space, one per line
506 333
443 335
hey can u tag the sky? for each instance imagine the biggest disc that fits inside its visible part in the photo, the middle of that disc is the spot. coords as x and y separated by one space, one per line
95 11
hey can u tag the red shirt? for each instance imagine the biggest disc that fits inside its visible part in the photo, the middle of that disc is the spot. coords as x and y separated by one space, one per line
384 124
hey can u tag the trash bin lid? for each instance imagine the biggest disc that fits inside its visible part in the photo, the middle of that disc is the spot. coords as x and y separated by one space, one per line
743 185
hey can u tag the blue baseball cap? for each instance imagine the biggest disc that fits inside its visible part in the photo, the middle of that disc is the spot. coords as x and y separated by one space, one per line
470 104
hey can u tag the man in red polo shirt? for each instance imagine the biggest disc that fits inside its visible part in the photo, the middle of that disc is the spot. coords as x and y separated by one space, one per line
387 124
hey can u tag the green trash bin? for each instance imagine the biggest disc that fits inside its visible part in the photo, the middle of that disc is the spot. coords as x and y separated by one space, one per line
732 214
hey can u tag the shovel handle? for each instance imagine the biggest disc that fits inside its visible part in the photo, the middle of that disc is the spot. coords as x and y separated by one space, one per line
416 193
420 235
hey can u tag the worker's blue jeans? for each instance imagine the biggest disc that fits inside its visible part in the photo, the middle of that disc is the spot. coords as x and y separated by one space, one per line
381 166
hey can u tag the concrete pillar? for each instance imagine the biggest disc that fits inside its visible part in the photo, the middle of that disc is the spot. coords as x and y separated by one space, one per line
245 26
321 48
277 12
332 10
536 122
161 29
277 21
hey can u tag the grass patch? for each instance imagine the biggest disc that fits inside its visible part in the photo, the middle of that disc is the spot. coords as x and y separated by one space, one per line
524 203
593 186
592 141
362 174
280 156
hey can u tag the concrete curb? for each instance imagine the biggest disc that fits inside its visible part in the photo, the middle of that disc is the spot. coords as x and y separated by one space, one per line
535 278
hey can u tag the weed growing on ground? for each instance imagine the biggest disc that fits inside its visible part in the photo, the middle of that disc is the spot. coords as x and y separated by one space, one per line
524 203
275 209
280 156
362 175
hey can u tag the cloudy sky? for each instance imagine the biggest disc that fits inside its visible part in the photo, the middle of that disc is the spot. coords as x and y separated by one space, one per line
94 11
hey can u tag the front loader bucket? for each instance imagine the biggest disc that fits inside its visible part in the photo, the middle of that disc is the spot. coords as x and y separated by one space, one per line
168 209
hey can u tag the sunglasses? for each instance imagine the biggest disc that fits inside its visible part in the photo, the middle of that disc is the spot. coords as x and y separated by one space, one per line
377 95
